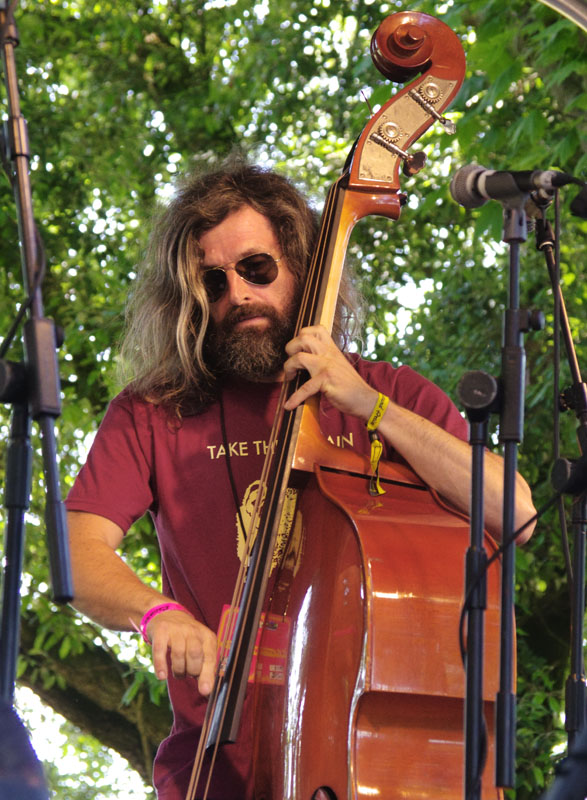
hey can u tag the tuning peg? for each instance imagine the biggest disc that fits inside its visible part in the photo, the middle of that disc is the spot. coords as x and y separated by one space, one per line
414 163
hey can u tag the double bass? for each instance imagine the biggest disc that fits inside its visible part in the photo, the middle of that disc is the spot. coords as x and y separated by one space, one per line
359 684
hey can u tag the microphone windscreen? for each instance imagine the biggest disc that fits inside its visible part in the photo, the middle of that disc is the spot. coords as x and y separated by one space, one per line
462 186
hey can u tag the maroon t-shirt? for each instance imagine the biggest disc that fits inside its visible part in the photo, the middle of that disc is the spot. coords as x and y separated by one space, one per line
144 460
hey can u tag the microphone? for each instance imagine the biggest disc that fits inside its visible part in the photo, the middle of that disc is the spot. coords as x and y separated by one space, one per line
472 186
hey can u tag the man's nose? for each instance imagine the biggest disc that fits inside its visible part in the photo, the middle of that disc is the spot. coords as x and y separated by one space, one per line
237 290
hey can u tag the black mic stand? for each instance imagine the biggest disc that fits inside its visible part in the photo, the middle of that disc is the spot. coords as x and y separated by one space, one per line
516 322
478 392
570 477
33 390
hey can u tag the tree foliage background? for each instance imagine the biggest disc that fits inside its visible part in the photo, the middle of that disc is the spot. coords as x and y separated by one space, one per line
119 97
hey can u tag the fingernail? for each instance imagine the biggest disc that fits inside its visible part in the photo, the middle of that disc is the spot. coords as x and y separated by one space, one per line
161 675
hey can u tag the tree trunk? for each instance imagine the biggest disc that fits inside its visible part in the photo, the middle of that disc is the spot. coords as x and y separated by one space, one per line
88 692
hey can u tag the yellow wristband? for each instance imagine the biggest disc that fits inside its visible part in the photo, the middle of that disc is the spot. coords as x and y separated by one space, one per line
376 446
378 412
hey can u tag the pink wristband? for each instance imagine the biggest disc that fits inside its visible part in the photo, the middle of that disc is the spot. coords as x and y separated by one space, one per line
152 612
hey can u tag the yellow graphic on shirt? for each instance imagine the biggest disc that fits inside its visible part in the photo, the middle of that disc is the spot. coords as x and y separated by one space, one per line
286 523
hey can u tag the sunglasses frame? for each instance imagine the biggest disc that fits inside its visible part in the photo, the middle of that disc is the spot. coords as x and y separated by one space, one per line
227 268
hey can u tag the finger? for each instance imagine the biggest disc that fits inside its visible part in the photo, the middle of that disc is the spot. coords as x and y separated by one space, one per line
160 657
317 332
307 389
304 360
177 653
295 346
169 633
199 650
309 340
294 365
208 671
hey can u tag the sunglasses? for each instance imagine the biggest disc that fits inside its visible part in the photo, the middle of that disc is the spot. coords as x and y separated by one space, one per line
259 269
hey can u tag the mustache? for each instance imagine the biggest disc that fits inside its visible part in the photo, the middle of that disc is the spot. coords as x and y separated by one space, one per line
240 313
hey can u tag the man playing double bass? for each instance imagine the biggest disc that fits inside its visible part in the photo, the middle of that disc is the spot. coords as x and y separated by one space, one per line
210 338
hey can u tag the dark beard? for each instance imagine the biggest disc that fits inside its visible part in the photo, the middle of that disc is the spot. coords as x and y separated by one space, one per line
252 354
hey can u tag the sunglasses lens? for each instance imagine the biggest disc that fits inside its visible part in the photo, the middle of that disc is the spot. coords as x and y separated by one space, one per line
214 283
259 268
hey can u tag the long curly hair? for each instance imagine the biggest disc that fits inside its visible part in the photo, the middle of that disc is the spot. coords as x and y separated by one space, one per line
163 353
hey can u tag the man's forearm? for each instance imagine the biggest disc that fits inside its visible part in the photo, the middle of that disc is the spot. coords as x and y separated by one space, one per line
444 463
109 592
105 588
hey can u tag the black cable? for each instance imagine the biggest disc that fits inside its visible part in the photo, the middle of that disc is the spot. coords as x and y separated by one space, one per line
500 550
39 278
228 465
472 790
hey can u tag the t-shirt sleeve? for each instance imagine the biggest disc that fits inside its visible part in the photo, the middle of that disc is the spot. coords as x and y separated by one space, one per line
115 480
426 399
413 391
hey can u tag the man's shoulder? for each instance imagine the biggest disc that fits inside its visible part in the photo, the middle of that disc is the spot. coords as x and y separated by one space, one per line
129 409
127 401
131 406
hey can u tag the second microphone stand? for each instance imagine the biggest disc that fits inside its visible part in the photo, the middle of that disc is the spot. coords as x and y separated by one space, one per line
570 477
509 398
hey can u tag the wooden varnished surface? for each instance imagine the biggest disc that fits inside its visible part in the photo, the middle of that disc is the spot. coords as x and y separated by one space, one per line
373 695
